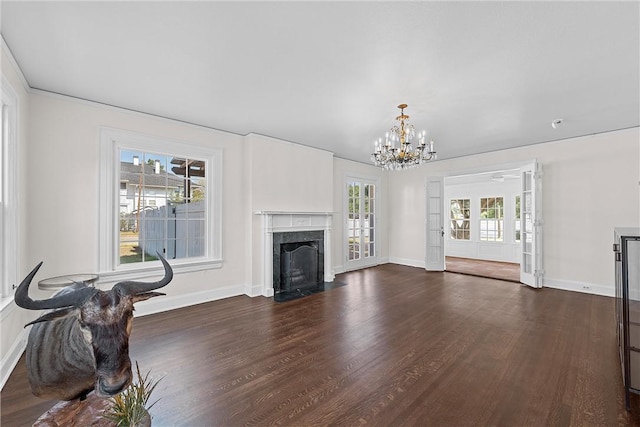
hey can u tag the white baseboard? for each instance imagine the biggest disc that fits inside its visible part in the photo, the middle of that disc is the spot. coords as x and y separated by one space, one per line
407 262
253 290
10 360
166 303
584 287
337 269
566 285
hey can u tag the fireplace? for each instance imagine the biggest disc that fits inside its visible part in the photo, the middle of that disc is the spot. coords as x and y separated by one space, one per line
298 262
279 227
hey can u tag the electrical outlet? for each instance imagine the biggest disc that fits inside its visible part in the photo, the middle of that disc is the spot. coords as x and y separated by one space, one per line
586 287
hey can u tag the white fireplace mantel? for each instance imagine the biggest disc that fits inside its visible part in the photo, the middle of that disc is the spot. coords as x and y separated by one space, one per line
283 222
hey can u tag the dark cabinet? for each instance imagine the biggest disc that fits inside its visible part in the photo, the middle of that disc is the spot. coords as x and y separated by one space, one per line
626 247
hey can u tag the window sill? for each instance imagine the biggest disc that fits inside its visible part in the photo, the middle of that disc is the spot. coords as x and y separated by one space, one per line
143 273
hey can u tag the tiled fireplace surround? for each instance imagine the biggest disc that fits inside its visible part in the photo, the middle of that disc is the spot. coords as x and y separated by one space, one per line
288 222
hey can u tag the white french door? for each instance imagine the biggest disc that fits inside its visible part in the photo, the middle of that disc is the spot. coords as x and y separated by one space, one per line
531 272
360 223
434 251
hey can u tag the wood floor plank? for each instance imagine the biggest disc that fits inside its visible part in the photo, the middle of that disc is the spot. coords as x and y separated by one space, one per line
396 346
493 269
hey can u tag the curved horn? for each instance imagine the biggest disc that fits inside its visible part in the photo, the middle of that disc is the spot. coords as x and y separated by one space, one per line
70 299
134 288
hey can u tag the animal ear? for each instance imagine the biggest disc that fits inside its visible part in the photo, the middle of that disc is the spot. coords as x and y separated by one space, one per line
145 296
53 315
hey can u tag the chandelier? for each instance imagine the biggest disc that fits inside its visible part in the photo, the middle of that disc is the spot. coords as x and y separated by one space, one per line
397 152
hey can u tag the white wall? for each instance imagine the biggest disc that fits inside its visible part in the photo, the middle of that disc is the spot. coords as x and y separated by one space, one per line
284 176
63 152
590 185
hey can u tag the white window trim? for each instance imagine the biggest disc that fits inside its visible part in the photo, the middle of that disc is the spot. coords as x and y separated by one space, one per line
111 140
10 216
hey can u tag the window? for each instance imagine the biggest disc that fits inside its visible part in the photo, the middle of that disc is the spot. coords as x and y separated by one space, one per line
8 190
165 206
160 197
460 214
491 219
517 221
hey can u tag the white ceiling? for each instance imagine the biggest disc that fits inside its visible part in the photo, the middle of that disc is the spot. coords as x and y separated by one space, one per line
479 76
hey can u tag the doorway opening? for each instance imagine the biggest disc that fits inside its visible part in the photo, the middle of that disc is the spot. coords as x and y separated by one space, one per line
482 224
490 225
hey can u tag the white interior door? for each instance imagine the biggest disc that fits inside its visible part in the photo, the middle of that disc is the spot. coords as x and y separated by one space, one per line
531 272
434 251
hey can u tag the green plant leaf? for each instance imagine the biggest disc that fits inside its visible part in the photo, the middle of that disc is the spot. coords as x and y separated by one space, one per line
131 405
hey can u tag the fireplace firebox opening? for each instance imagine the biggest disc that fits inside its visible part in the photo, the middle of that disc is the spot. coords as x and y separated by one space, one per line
298 263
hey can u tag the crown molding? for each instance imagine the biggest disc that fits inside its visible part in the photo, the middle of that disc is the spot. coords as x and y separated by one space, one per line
14 64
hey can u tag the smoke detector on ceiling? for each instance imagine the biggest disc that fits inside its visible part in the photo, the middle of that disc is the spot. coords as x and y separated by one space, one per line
556 123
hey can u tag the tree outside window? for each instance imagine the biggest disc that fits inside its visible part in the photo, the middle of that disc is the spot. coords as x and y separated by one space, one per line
460 214
492 219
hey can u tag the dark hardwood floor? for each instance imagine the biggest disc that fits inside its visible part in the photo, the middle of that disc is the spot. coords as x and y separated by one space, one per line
477 267
396 346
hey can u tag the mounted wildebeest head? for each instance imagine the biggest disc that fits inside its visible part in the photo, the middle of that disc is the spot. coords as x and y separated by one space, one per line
82 344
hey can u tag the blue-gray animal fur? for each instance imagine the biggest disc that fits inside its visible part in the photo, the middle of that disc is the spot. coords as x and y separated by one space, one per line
82 343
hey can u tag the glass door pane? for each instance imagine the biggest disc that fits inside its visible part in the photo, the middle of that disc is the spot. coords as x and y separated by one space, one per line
531 228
